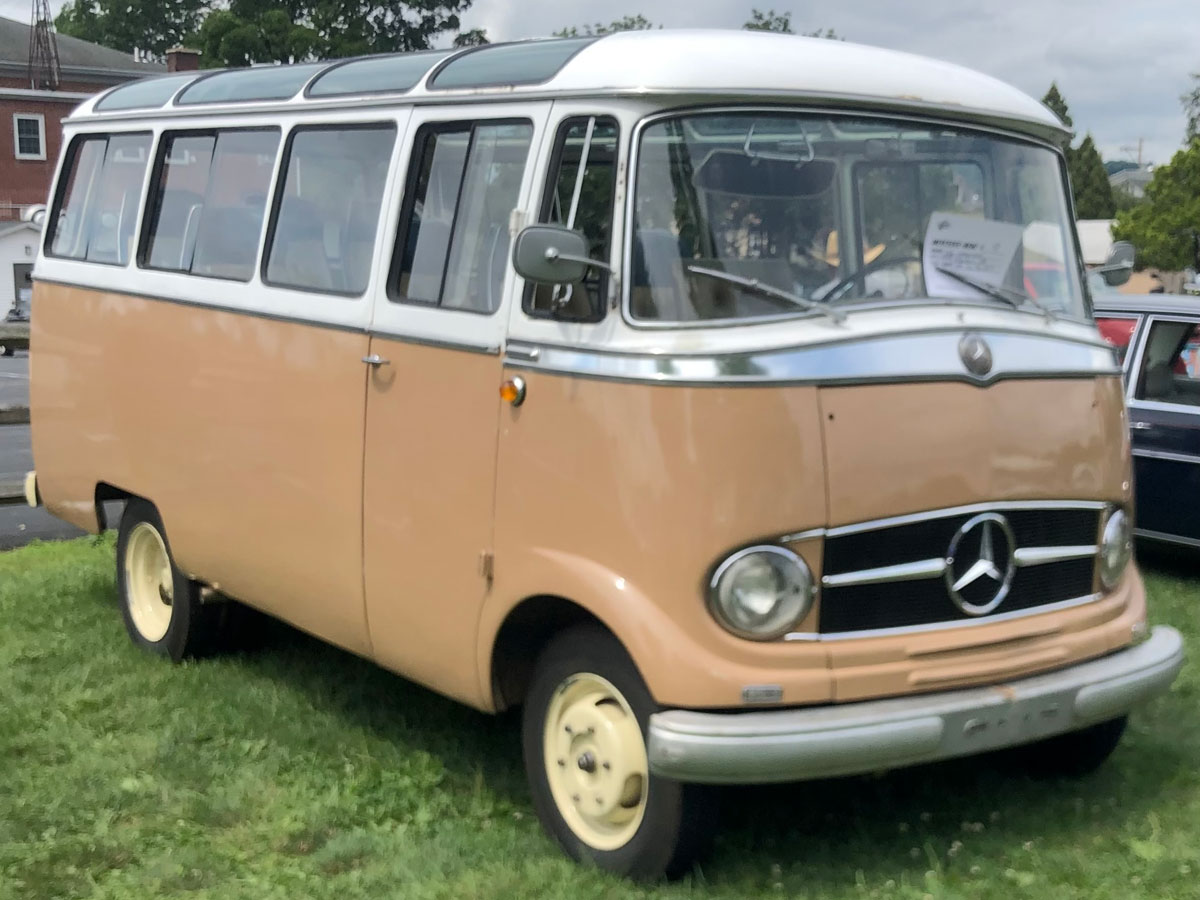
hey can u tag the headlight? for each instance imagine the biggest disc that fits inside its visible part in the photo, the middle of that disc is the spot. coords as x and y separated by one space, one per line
761 592
1116 548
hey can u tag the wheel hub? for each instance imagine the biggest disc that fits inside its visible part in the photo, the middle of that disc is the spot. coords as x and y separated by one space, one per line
149 582
596 761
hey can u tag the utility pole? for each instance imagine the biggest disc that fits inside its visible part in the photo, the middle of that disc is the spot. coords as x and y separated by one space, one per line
45 74
1128 148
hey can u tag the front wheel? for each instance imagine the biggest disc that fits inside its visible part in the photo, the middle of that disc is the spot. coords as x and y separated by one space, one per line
583 732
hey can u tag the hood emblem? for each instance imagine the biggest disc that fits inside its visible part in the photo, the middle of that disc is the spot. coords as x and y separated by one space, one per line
976 354
980 564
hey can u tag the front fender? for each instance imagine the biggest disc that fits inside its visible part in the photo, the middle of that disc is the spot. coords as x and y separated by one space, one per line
678 669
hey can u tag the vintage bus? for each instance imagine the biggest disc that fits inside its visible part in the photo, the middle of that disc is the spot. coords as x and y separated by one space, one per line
731 402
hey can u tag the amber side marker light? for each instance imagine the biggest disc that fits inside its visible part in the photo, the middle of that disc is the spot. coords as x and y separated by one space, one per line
513 390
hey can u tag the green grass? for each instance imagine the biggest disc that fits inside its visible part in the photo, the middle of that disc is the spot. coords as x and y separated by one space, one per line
298 771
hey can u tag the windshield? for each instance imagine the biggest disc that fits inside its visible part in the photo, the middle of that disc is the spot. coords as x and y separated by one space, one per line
842 210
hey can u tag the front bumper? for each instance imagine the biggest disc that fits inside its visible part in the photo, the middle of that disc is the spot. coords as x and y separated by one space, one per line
819 742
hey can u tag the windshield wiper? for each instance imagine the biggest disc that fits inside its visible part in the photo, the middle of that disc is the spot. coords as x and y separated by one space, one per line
755 286
1013 297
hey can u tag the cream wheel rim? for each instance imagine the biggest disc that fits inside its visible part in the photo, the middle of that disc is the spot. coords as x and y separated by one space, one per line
595 758
149 582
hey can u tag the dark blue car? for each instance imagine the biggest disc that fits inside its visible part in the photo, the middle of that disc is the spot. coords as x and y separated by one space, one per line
1157 337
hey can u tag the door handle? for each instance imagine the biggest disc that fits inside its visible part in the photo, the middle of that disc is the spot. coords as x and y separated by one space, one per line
376 360
1140 426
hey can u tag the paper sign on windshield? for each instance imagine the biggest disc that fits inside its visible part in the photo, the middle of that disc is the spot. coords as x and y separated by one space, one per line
982 250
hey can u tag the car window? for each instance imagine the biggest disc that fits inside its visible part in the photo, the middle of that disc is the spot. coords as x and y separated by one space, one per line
1170 370
580 199
453 249
1118 332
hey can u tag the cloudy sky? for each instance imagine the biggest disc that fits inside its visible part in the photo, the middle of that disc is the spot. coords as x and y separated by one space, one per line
1121 64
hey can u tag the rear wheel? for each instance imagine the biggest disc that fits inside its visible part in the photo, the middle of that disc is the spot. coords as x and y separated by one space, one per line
6 350
160 605
584 740
1069 755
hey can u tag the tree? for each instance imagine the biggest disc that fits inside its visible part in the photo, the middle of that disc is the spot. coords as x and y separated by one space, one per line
1163 229
146 29
261 31
626 23
240 36
1089 178
769 21
475 37
1056 104
782 24
1089 182
1191 108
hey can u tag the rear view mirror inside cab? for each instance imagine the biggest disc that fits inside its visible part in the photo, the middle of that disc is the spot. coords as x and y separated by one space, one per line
733 172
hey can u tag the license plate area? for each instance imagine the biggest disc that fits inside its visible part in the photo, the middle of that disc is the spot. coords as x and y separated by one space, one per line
1009 722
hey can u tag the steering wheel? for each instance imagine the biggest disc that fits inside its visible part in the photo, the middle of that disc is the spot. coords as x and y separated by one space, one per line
835 292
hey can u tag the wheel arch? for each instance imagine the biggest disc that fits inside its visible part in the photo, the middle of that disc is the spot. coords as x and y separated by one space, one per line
524 633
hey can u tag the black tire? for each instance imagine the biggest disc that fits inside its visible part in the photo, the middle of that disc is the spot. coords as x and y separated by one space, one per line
194 629
1069 755
678 820
6 350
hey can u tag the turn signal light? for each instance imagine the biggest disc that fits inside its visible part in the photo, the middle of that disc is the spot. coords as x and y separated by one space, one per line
513 391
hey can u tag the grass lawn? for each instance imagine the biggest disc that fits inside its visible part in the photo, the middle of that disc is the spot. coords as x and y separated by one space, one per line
300 772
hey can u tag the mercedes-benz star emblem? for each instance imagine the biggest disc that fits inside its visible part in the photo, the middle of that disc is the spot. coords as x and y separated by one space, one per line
980 564
976 354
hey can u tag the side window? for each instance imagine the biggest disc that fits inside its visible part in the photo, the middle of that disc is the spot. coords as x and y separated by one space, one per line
579 195
207 203
97 206
327 212
1170 370
463 186
1119 333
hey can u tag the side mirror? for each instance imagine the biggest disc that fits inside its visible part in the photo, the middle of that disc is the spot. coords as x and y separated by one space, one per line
551 254
36 215
1119 265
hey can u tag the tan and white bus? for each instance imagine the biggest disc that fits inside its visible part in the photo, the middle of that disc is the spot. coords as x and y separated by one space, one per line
730 401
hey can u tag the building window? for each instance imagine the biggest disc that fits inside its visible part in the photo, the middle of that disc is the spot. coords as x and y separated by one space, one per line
29 135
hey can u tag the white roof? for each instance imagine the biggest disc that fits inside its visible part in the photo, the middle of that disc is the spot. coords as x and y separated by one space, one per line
754 61
714 64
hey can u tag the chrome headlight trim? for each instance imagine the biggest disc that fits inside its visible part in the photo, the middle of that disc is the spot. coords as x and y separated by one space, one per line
1116 547
788 565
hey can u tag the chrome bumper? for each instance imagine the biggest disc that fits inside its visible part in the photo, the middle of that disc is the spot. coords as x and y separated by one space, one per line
819 742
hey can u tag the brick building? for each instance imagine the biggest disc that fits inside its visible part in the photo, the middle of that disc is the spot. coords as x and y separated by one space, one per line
30 120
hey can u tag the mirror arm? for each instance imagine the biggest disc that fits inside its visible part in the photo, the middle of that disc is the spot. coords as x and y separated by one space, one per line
553 255
1112 267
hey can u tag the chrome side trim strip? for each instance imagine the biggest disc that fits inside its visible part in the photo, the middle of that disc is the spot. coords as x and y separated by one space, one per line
436 343
1166 538
1038 556
1167 455
913 571
526 352
970 509
943 626
798 536
917 356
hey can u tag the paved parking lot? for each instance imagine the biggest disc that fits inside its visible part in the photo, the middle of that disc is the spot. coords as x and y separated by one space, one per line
16 455
14 379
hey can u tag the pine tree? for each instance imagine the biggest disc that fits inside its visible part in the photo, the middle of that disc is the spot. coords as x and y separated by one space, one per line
1057 105
1089 182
